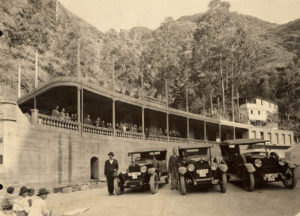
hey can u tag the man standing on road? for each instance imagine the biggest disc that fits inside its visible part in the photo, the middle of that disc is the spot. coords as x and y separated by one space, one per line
173 169
111 166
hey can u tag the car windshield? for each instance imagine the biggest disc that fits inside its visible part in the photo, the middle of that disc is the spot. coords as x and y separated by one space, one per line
195 154
258 148
142 156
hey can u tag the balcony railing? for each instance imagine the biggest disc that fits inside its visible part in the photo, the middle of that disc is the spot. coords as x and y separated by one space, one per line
58 123
97 130
71 125
155 137
178 139
132 135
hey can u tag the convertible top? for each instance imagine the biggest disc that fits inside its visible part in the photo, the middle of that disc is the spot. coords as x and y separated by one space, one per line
159 149
243 141
196 146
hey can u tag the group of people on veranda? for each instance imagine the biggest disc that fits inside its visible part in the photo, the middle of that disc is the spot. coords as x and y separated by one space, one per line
26 203
111 166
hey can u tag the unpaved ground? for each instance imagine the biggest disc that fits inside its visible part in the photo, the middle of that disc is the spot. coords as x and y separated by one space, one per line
271 200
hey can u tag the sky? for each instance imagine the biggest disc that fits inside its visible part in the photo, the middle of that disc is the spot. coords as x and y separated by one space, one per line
125 14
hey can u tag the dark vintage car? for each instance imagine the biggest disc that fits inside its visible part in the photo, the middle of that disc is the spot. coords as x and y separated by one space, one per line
199 168
249 161
147 167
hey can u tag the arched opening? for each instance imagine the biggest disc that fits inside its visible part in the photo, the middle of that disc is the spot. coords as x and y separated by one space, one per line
94 168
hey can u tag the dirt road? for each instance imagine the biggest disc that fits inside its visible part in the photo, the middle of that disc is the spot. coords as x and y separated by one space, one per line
273 200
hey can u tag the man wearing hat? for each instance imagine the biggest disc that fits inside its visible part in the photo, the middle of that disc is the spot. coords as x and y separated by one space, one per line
111 166
21 205
39 205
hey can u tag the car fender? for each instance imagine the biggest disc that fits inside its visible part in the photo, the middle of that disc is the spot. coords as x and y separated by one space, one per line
223 167
182 170
250 168
151 171
290 164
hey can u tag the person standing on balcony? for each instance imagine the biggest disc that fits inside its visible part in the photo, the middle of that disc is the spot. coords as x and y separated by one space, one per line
98 122
87 120
67 117
62 114
111 167
173 169
55 112
75 117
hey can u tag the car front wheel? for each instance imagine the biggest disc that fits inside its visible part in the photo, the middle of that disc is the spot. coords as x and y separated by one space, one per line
182 185
117 187
290 180
223 183
154 183
248 180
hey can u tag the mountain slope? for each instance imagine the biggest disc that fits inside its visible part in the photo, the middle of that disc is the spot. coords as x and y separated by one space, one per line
30 25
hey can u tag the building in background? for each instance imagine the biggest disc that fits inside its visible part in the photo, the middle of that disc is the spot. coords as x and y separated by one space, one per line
260 112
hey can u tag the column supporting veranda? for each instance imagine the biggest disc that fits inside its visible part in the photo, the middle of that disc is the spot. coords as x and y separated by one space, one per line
114 117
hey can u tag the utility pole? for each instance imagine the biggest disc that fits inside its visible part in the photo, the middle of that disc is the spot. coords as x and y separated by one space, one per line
19 82
142 85
232 89
167 92
57 12
238 103
186 99
78 60
113 74
36 70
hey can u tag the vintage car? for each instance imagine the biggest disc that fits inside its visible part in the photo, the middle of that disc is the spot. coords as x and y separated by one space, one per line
147 167
250 161
199 168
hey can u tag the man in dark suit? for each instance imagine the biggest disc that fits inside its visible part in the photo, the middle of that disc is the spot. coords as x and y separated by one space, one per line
173 169
111 166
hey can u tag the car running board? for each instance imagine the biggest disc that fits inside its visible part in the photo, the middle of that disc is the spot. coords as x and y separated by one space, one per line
162 180
234 177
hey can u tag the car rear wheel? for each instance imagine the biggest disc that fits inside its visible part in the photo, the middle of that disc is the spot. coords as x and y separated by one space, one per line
290 180
182 185
117 187
223 183
154 183
248 180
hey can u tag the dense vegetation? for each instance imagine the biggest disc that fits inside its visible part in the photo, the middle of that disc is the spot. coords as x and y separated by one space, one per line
213 57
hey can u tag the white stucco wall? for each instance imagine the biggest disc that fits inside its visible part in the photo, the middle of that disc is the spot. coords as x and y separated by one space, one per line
258 110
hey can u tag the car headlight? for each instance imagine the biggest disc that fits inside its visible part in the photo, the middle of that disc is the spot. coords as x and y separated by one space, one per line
143 169
182 170
191 167
258 163
214 166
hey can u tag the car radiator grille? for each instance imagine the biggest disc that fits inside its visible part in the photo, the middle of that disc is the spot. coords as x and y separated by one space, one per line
269 165
134 168
203 165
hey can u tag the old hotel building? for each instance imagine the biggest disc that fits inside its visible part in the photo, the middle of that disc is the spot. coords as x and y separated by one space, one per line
38 149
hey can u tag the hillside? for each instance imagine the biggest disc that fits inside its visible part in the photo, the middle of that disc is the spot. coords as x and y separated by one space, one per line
163 53
286 35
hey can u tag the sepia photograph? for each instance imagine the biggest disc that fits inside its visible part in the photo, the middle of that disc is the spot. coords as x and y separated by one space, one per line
149 107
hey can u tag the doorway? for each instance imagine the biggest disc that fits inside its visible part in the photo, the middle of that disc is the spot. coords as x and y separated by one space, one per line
94 168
